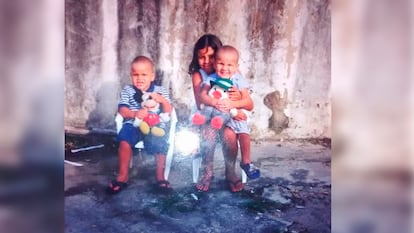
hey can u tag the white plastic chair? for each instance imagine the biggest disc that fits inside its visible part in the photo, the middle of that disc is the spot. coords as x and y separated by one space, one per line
140 145
196 168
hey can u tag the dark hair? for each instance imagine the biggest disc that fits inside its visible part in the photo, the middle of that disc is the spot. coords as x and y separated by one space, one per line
207 40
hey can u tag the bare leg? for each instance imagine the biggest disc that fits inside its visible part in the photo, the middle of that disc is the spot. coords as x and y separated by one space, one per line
244 140
124 155
159 171
208 146
251 171
230 155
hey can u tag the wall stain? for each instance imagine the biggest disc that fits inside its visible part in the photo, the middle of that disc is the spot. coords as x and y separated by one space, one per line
83 49
264 24
292 12
278 121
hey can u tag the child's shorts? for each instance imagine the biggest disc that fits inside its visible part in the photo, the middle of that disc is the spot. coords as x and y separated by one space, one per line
152 144
239 126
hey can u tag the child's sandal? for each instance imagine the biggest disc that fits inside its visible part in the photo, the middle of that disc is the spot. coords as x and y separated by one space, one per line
164 186
251 171
116 187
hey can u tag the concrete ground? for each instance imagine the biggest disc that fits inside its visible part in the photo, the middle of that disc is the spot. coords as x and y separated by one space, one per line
292 195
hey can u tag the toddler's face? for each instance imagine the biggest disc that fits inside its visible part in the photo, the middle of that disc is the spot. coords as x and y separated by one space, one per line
142 75
206 59
226 64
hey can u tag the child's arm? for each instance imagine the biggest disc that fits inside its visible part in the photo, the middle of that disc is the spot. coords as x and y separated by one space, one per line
197 80
244 101
165 104
127 113
205 98
124 104
242 115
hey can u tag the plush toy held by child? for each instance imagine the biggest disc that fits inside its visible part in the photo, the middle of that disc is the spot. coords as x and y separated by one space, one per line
154 122
217 118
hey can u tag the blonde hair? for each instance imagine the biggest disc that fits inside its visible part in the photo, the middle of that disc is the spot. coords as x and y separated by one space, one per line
228 48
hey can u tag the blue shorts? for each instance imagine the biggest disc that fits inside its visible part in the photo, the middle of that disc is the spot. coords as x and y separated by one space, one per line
153 145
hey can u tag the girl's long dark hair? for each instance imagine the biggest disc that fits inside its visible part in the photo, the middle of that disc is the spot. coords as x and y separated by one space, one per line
207 40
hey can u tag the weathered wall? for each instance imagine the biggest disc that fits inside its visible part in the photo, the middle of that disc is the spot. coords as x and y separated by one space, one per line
284 46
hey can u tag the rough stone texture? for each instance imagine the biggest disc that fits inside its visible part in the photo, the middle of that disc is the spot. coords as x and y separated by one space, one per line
83 39
284 48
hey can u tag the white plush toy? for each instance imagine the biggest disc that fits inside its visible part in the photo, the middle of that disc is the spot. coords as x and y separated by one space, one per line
219 90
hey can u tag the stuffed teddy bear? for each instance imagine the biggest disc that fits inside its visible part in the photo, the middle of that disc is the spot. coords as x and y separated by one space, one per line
155 121
218 90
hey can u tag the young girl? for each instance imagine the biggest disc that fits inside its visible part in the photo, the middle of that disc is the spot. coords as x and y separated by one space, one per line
202 63
201 66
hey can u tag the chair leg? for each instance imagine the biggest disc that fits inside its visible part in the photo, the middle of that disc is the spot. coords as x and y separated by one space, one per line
196 169
140 157
244 176
171 140
168 162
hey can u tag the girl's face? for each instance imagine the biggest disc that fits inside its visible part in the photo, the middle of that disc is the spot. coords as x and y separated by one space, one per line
206 59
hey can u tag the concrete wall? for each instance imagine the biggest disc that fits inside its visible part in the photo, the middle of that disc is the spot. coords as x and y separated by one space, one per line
284 46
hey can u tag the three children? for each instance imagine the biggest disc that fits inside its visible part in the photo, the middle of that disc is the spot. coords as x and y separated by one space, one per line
225 65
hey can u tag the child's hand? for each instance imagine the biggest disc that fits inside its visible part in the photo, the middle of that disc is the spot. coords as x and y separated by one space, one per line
157 97
141 113
234 94
224 105
241 116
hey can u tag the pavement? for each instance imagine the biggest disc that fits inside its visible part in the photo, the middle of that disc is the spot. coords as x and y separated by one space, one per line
293 193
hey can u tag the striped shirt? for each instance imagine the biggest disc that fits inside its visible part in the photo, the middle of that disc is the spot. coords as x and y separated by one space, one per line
128 92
